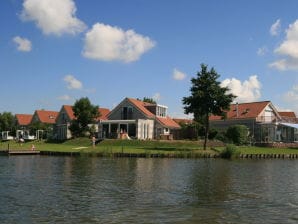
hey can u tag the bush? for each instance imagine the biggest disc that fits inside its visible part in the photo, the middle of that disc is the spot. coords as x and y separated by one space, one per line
229 152
212 134
221 136
238 134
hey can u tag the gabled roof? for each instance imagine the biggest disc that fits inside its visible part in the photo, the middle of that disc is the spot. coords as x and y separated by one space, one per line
46 116
69 111
103 112
141 106
24 119
289 114
167 122
244 110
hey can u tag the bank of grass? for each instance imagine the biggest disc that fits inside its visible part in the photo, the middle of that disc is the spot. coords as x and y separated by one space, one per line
108 147
83 146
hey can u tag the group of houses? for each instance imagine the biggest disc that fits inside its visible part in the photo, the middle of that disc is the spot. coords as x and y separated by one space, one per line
136 119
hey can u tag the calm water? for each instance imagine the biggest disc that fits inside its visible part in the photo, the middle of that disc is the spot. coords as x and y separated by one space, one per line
40 189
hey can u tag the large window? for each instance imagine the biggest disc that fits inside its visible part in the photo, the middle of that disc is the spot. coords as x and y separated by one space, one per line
126 113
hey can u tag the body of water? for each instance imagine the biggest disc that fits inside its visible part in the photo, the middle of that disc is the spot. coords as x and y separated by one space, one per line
42 189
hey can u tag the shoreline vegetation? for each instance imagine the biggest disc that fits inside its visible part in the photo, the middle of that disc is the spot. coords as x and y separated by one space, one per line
149 149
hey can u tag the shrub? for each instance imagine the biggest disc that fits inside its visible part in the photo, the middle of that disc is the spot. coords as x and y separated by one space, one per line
238 134
229 152
212 134
221 136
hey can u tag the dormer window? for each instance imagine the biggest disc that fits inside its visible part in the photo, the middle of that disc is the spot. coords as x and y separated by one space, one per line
161 111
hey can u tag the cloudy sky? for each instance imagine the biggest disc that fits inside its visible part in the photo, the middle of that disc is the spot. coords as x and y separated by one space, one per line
53 52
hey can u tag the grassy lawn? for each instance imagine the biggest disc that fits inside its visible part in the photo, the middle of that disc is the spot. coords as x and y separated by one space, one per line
83 145
263 150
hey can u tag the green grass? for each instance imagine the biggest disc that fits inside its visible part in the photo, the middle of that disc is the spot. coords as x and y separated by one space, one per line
83 146
263 150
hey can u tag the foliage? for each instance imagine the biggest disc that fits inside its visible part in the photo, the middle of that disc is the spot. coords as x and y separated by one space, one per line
212 134
188 130
238 134
229 152
221 136
85 114
7 121
148 100
207 97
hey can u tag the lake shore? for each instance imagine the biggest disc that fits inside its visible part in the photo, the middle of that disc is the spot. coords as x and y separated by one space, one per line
146 149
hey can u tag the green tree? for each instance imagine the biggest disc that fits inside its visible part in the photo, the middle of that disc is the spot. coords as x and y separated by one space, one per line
147 100
207 97
238 134
85 114
7 121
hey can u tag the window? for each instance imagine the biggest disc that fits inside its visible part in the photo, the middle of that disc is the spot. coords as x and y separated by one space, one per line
161 111
127 113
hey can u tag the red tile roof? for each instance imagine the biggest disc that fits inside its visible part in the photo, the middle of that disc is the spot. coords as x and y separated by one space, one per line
183 121
141 106
167 122
103 112
245 110
24 119
46 116
69 111
289 114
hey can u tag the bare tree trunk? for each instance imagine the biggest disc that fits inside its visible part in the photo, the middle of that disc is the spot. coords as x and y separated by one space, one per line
206 131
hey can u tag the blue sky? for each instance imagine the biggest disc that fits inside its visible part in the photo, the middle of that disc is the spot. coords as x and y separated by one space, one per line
53 52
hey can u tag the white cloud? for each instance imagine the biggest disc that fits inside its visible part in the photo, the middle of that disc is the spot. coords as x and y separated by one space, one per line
156 97
65 98
23 44
275 28
291 98
285 64
248 91
53 16
178 75
292 95
107 43
288 48
72 82
262 51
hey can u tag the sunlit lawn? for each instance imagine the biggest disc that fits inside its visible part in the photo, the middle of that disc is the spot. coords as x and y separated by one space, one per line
83 145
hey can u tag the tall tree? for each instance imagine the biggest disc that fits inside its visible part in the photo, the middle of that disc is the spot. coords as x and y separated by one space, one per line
85 114
7 121
207 97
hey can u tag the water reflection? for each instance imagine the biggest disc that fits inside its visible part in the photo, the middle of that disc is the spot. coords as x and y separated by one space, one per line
41 189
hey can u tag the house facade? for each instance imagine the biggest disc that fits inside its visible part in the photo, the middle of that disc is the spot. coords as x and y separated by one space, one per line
66 116
133 118
63 122
264 122
45 117
23 122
